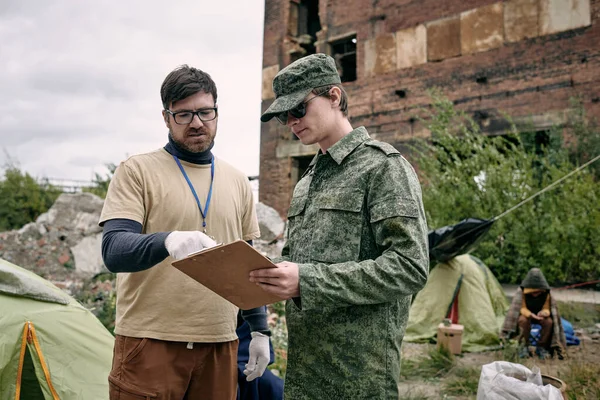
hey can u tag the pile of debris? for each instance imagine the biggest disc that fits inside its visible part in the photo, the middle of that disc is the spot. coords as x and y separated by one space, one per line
62 245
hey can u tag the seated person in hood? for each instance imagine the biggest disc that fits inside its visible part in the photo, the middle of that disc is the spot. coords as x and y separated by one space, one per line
533 304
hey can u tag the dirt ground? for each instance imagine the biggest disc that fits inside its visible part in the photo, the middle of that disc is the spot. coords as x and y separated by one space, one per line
586 354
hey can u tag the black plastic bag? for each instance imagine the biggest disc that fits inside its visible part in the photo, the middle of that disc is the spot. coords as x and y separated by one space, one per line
450 241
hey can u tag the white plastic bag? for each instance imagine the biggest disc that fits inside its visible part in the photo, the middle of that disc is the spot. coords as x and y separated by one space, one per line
502 380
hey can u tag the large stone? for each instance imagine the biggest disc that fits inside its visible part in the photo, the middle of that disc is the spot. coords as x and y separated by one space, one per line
521 19
267 81
32 230
88 256
443 39
563 15
380 54
270 249
270 223
411 46
482 29
78 212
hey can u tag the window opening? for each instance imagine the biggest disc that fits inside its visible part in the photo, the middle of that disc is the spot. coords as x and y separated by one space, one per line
343 52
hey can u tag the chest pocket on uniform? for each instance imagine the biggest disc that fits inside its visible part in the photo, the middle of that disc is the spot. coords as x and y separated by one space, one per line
338 233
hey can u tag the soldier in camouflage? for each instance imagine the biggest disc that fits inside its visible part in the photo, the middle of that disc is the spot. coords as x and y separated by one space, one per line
356 249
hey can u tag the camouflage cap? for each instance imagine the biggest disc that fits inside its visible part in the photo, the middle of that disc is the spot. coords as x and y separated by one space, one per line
294 82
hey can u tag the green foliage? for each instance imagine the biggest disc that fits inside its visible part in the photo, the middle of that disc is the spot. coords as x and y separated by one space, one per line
439 362
583 381
23 198
468 174
279 338
100 183
463 381
584 144
99 296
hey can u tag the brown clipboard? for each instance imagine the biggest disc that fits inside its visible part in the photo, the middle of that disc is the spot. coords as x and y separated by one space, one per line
225 270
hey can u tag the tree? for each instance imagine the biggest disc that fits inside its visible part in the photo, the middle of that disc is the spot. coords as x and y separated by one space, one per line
467 174
23 198
101 183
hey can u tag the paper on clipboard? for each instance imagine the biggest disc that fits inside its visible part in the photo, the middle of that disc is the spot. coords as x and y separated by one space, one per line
225 270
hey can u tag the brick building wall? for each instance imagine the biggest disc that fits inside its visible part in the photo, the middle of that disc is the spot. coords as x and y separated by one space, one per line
526 58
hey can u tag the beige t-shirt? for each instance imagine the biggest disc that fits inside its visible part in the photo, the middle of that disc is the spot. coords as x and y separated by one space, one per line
162 302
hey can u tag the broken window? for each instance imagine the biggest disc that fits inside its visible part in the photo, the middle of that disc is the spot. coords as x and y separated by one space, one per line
539 141
303 25
343 52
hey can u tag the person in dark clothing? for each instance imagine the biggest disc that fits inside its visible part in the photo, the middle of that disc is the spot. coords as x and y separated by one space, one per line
267 387
533 304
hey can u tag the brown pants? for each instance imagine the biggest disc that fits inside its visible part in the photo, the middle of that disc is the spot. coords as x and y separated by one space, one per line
157 369
545 334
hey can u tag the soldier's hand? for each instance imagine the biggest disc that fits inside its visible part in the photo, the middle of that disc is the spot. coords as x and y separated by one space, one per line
283 281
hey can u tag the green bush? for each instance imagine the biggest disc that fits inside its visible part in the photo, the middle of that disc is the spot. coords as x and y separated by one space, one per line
23 198
465 173
100 183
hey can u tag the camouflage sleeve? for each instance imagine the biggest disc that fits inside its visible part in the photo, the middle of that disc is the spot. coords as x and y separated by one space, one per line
400 262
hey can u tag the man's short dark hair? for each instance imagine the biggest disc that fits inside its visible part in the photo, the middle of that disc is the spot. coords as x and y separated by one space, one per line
185 81
343 97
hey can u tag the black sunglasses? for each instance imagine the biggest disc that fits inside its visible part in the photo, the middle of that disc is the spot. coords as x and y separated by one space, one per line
297 112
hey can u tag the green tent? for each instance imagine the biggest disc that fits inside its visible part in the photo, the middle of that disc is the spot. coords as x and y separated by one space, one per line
51 347
482 304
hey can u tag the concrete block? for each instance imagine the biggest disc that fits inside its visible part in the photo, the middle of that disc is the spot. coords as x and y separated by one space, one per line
521 19
563 15
443 39
267 81
411 46
482 29
370 57
380 54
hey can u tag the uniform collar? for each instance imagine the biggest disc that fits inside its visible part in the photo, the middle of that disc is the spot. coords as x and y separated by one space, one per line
346 145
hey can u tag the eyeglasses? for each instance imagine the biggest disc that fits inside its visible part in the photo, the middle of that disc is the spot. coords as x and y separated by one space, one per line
297 112
186 117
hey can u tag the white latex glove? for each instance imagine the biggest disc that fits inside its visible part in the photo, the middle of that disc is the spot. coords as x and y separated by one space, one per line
180 244
259 356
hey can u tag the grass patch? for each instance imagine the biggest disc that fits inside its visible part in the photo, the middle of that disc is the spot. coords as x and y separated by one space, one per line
510 352
462 381
436 365
583 380
581 315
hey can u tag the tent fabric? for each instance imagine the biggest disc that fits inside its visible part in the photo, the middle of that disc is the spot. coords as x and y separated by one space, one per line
19 282
76 349
482 304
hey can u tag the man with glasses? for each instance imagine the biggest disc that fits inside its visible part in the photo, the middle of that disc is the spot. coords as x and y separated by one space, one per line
176 339
356 250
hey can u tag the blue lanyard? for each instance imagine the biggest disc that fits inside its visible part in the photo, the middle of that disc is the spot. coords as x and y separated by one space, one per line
212 176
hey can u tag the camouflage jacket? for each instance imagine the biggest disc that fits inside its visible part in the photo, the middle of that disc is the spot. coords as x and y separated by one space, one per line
357 229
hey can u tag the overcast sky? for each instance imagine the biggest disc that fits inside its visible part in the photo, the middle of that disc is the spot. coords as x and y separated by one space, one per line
80 80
